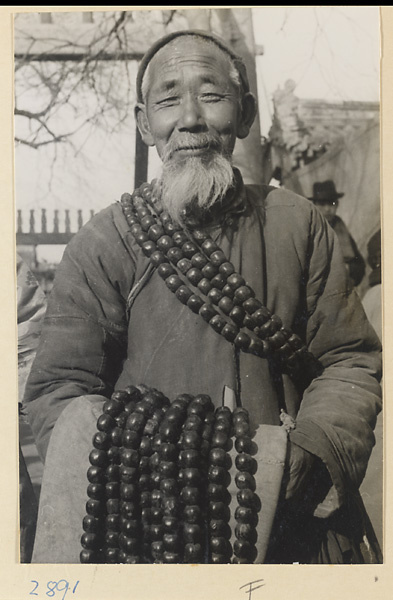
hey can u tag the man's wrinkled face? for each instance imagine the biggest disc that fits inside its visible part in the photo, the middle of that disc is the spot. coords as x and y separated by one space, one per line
192 105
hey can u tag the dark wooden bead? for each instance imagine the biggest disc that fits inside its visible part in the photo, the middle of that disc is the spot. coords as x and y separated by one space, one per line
105 423
169 486
112 538
193 553
245 531
236 280
171 506
257 347
156 497
237 315
191 477
243 293
96 475
112 556
128 544
148 248
156 531
244 549
114 407
158 258
245 462
224 412
168 469
200 235
277 340
226 269
266 330
189 249
113 506
189 458
207 311
192 513
218 281
183 293
112 489
145 448
204 286
90 541
171 558
129 510
136 421
196 413
198 260
155 231
217 492
195 303
243 514
157 550
219 510
230 332
241 429
228 291
220 440
168 451
219 458
131 559
194 275
209 271
215 295
155 480
245 480
112 522
251 305
190 495
192 533
249 499
91 524
128 474
242 341
113 455
184 265
128 491
220 528
98 458
208 246
172 541
219 559
169 524
144 465
129 457
96 508
164 243
144 482
173 282
89 557
218 475
205 401
223 425
217 323
102 440
248 321
218 258
121 420
174 254
116 436
169 432
219 545
190 440
141 237
180 238
129 527
226 305
165 270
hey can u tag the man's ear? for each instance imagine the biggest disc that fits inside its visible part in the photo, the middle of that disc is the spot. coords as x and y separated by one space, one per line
143 124
247 115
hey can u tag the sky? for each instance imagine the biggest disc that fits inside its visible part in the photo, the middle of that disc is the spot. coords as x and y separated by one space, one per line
331 52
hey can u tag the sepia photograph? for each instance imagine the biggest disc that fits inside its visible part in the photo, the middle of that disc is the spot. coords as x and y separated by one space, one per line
199 297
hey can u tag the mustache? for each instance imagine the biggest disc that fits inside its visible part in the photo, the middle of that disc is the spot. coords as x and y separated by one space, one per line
190 141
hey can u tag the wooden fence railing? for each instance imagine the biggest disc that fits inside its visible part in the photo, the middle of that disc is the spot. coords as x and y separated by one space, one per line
43 234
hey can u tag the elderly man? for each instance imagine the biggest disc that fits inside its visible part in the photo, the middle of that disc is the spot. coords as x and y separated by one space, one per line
198 285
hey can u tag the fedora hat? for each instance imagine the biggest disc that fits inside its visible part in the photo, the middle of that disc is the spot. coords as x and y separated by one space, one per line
325 191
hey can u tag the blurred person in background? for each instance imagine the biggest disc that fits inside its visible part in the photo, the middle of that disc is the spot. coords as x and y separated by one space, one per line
326 198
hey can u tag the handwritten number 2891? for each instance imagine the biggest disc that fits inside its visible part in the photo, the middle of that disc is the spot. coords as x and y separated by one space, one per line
54 586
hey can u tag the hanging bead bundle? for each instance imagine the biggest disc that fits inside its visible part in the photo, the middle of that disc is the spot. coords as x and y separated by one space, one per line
158 482
196 270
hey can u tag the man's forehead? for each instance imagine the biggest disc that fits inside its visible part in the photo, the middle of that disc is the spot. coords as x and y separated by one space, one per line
189 52
198 38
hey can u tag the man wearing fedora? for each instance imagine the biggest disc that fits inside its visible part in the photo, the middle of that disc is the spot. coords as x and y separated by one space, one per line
325 197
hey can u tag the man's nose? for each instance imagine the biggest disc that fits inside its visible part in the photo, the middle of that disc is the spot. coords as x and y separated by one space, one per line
191 117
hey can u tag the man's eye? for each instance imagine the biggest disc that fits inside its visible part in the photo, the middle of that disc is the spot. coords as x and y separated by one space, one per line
211 97
170 101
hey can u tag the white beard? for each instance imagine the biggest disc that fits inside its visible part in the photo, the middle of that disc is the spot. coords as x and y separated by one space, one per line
196 183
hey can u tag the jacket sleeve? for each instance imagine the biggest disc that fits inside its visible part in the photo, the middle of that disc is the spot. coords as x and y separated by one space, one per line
84 335
338 411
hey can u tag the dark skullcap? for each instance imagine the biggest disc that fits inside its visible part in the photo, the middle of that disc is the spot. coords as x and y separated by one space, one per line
236 59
